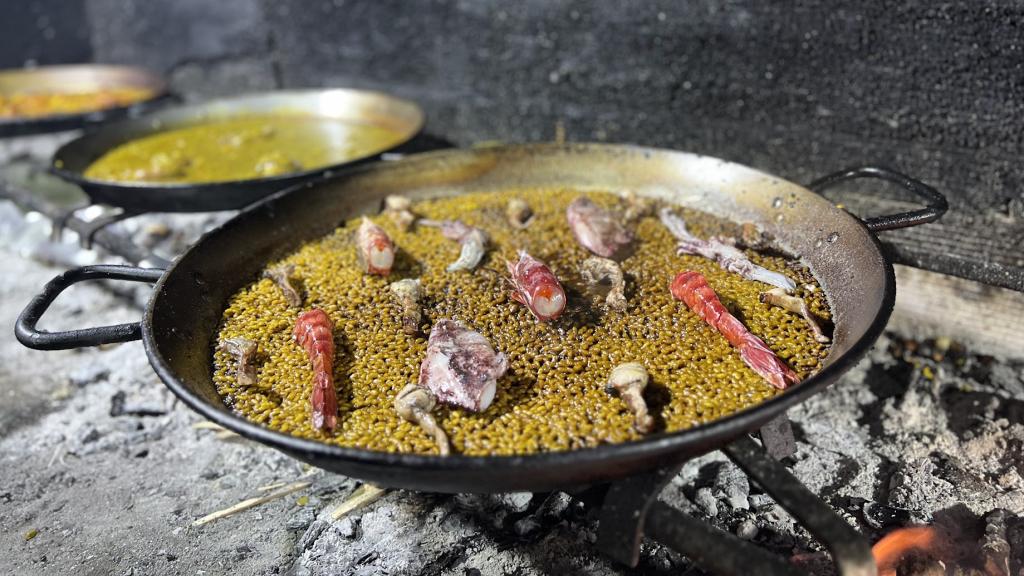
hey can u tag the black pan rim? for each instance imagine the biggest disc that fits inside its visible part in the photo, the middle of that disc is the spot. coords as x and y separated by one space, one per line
78 178
710 435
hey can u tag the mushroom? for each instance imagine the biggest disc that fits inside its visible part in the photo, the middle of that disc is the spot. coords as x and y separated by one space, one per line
605 276
629 381
244 352
414 404
408 293
398 209
637 206
519 213
796 305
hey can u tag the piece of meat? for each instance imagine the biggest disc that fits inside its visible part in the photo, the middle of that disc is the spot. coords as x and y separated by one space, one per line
315 333
692 288
536 286
460 367
597 229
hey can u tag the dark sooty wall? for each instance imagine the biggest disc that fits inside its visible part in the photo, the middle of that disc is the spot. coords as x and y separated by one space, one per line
936 90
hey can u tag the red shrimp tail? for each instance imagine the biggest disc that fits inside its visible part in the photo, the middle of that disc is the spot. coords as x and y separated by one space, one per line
325 404
755 353
693 289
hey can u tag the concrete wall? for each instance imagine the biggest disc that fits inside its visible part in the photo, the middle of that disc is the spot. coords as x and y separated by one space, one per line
937 90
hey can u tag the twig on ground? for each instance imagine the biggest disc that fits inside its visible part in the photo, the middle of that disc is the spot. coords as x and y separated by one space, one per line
252 502
363 496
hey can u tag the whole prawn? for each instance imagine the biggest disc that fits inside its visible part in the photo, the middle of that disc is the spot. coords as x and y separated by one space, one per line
692 288
314 332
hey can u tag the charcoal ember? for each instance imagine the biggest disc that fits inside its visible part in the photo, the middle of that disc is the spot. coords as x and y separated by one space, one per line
312 533
759 501
705 499
120 407
1008 378
301 518
89 435
915 564
916 488
731 484
882 517
747 529
346 528
526 526
516 501
555 505
995 548
1015 537
470 502
89 374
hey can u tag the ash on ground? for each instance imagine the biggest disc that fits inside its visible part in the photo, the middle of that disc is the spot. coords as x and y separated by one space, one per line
104 472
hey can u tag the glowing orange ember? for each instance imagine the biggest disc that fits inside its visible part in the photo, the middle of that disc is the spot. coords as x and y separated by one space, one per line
891 549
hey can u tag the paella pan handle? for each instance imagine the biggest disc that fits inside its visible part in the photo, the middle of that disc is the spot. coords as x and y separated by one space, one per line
935 203
27 333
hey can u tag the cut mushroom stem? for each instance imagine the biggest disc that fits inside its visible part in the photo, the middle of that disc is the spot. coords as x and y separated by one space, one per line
796 305
408 293
281 275
629 381
244 352
605 276
637 206
398 209
414 404
519 213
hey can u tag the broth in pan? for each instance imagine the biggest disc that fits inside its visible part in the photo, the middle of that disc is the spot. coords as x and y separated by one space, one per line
242 148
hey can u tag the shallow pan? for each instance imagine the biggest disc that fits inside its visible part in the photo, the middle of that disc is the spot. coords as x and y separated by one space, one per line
77 78
358 106
181 320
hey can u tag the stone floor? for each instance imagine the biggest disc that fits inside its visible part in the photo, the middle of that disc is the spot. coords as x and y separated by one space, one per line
108 471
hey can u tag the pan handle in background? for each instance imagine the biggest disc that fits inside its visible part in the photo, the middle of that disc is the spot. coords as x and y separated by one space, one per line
935 203
27 333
